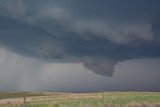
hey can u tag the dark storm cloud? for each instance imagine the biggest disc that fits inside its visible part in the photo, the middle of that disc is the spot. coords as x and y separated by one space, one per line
97 33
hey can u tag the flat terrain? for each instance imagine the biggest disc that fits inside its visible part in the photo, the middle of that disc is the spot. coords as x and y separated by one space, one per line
105 99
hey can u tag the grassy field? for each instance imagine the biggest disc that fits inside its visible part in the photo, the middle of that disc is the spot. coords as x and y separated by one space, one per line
106 99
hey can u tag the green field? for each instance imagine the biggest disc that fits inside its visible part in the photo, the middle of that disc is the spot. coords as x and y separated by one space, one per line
106 99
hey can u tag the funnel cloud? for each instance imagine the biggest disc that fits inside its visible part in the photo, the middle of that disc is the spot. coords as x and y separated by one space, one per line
40 39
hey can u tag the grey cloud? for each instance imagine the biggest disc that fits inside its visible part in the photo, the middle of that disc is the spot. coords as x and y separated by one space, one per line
120 33
50 17
57 32
104 66
16 69
21 73
15 9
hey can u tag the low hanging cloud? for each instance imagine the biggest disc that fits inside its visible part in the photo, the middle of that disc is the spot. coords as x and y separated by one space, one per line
22 73
57 34
104 66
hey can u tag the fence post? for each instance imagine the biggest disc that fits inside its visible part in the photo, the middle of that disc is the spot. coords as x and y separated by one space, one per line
24 100
103 99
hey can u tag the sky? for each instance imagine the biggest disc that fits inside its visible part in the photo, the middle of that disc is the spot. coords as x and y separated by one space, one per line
79 45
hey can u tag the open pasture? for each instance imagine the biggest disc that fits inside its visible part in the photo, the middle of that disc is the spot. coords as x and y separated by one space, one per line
105 99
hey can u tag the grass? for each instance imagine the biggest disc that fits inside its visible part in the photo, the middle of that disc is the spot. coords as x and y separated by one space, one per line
17 95
110 99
